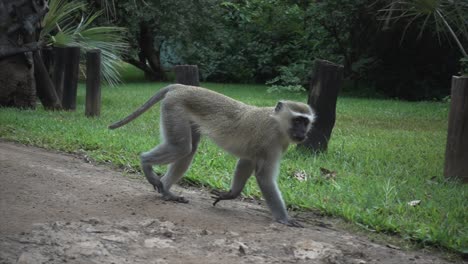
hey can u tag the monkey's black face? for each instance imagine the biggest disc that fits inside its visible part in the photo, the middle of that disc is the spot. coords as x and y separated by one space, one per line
299 128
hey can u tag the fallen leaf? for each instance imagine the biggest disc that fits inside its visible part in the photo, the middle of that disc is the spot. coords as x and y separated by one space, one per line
328 174
392 246
300 175
414 203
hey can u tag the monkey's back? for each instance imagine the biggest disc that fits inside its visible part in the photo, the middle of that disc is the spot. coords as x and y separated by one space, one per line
236 127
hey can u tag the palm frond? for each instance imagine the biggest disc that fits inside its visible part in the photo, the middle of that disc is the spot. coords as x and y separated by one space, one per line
444 13
61 12
69 28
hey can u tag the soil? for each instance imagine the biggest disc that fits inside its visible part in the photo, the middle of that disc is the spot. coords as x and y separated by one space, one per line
59 208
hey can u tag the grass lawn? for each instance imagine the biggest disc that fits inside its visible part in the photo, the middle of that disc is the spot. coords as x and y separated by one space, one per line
386 153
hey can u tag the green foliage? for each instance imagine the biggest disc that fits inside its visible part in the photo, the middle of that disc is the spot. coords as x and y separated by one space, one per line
255 41
66 25
386 153
288 80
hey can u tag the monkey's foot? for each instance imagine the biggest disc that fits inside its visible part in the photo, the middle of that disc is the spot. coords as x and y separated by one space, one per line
218 196
290 222
158 187
174 198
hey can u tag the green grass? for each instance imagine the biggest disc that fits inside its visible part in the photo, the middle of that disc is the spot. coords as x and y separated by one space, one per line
386 153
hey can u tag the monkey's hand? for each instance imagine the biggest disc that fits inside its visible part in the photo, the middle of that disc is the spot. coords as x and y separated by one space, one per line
218 196
290 222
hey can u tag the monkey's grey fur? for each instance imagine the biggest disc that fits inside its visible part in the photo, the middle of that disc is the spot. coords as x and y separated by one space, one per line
257 135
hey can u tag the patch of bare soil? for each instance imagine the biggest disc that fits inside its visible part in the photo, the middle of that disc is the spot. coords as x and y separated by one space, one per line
56 208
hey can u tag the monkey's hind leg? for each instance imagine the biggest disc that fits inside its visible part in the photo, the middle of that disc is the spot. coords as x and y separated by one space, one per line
177 146
177 169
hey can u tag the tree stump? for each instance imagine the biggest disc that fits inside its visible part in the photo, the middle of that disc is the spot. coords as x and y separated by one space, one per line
323 93
93 83
456 152
70 83
187 74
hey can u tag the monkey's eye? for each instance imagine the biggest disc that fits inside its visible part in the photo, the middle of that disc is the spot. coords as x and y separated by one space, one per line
300 121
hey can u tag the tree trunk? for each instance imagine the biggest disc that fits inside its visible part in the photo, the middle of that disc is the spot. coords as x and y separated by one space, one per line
148 53
17 84
456 153
22 72
187 74
323 93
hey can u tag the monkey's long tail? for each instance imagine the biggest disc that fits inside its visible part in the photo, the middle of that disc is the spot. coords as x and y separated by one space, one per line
152 101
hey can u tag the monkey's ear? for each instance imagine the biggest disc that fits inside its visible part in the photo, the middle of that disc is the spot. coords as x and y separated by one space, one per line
279 106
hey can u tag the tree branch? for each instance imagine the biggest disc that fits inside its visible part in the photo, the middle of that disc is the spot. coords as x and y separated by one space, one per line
140 65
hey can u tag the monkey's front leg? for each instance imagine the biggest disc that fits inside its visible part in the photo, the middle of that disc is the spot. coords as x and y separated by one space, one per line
244 169
266 178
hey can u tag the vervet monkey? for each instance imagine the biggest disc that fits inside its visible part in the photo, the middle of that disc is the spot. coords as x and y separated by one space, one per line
257 135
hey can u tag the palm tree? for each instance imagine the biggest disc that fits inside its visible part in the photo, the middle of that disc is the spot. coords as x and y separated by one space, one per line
448 17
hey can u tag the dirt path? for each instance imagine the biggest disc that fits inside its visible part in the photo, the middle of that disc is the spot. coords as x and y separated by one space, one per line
56 208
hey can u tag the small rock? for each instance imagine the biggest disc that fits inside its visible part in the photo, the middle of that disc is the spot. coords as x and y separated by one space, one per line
158 243
91 221
205 232
167 225
309 250
114 238
147 223
87 248
29 258
241 251
168 234
230 233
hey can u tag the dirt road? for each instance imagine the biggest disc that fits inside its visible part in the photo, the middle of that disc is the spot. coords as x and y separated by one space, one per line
56 208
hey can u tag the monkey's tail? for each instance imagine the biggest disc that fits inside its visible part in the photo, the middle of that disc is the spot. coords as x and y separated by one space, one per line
152 101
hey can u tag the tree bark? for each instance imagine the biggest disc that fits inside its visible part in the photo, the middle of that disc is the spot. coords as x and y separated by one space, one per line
93 83
17 84
23 72
323 93
456 153
187 74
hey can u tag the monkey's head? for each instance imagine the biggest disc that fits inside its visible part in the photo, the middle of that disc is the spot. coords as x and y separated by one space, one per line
295 119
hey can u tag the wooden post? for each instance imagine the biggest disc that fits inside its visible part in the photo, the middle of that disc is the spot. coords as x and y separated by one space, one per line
48 58
59 71
187 74
44 85
93 83
456 152
70 79
323 94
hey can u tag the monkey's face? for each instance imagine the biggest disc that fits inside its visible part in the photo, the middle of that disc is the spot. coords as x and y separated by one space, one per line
295 119
299 127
